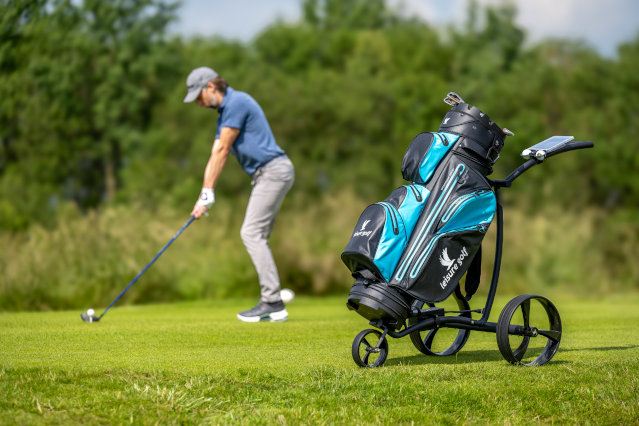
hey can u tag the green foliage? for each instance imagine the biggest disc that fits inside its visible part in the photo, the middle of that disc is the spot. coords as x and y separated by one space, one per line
78 82
330 15
194 363
91 115
91 102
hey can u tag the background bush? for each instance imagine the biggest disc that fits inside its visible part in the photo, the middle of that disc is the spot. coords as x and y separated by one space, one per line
100 161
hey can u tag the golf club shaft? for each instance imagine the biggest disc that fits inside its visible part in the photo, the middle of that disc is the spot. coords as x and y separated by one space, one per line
188 222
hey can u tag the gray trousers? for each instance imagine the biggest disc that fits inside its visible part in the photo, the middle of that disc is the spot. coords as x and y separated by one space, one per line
270 185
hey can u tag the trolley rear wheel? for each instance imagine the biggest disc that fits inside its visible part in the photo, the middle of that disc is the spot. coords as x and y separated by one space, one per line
441 342
529 330
367 350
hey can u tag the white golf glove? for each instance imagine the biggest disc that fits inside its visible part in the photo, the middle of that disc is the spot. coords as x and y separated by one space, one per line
207 198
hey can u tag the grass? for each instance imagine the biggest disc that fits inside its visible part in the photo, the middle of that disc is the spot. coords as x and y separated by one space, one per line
193 362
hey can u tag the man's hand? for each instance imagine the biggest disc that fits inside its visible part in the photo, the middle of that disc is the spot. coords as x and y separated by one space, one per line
204 203
199 211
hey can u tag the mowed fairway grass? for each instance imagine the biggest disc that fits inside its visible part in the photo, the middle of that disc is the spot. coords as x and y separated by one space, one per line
193 363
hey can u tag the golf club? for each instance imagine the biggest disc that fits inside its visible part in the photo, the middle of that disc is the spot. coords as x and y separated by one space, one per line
455 98
450 101
90 316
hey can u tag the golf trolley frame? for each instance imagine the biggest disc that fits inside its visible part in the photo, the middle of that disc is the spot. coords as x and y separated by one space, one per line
434 318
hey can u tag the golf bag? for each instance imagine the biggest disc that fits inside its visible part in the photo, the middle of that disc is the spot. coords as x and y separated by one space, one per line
418 243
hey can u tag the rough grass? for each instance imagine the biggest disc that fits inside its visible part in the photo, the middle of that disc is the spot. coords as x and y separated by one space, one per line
195 363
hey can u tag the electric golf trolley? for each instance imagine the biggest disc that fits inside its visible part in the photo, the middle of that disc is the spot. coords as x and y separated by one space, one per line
409 252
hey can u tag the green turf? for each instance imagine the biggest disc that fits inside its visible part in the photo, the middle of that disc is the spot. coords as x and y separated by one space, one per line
195 363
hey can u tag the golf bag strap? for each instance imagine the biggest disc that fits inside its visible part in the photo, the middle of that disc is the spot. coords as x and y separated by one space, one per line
458 292
489 153
366 274
473 276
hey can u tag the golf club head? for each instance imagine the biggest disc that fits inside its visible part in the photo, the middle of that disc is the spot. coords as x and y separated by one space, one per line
455 97
450 102
89 318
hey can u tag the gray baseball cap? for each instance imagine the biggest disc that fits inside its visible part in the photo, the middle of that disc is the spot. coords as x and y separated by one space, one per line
196 81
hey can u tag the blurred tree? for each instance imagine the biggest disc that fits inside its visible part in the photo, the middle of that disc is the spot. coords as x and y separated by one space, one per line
77 85
90 102
91 108
345 14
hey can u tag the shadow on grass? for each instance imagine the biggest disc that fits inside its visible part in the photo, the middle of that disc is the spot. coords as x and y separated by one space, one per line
463 357
602 348
469 357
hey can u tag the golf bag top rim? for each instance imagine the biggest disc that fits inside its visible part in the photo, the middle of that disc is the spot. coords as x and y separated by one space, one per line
484 119
483 142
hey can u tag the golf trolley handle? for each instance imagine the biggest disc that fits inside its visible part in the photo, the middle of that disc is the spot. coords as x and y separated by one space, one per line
570 146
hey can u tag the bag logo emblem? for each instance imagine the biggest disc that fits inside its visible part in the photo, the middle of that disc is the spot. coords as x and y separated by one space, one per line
451 265
444 260
361 232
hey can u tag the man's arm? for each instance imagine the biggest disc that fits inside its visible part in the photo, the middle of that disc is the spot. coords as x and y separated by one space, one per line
219 154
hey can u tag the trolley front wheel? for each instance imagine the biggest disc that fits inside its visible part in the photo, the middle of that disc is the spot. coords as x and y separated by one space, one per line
367 349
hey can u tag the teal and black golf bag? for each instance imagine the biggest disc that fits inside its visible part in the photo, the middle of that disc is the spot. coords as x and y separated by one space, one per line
418 243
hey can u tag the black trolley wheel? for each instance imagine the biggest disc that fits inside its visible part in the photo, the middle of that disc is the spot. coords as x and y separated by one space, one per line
365 351
539 329
423 340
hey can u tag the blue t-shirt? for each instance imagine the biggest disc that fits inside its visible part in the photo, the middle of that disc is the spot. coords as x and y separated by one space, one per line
255 146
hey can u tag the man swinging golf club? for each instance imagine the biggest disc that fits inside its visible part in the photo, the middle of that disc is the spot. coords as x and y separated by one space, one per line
242 129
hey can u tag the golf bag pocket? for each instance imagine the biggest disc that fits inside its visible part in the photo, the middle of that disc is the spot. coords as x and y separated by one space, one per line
424 154
409 200
431 270
469 210
447 257
377 242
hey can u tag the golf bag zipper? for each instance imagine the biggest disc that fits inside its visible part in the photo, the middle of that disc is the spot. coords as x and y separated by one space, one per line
415 192
437 208
394 215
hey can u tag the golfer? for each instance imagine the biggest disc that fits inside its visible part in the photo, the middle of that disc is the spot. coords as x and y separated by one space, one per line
242 129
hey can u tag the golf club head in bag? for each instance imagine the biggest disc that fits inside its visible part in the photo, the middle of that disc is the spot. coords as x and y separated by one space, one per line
453 99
